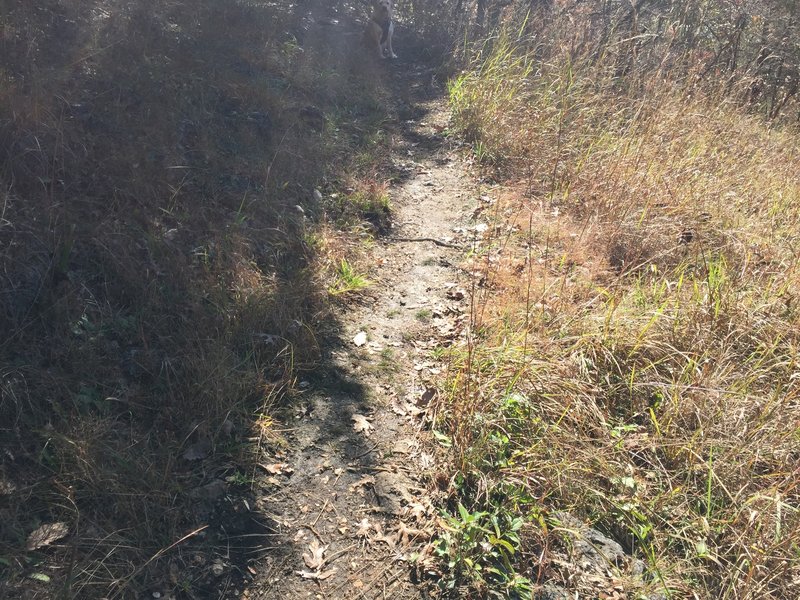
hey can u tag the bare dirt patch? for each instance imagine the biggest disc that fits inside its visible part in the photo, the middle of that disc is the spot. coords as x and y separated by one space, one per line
352 506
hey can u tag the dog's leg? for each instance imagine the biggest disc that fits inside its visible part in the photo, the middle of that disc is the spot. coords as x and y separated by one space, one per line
389 41
374 39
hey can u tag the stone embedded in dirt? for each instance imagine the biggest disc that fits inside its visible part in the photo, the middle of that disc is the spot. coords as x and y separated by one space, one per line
553 592
403 446
392 489
217 569
209 492
457 294
199 450
597 560
591 549
360 338
428 395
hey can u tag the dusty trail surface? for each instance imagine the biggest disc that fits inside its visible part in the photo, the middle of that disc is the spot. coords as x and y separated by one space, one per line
352 504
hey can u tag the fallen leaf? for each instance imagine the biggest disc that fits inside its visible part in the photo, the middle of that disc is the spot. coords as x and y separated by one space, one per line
314 559
360 339
315 575
46 535
404 533
6 487
389 540
277 468
364 528
417 510
426 460
361 424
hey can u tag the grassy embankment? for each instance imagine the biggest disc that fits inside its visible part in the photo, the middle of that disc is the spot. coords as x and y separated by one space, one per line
633 351
160 288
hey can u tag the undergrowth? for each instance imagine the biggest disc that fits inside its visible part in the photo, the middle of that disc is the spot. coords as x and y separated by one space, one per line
632 353
164 261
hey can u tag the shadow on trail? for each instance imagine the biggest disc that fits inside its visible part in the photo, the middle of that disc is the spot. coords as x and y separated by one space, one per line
156 285
335 478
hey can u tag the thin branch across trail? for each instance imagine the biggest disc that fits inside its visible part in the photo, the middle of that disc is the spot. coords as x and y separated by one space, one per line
425 239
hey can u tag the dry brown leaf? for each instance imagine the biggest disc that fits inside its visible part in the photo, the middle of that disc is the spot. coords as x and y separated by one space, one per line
390 540
314 559
314 575
404 533
367 480
46 535
361 424
278 468
416 510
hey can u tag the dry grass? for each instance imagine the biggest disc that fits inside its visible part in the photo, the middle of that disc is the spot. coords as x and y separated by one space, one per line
159 288
632 355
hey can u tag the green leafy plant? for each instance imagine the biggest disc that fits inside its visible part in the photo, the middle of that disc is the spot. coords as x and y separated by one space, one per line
478 549
348 280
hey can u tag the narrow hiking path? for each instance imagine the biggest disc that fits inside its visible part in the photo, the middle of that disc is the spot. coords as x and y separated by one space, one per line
349 500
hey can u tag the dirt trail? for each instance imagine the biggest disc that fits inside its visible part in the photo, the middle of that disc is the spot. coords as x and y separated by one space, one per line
352 505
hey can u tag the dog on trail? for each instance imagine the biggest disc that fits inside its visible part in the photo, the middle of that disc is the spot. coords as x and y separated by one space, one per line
379 31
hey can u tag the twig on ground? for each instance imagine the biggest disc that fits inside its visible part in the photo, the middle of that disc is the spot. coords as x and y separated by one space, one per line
425 239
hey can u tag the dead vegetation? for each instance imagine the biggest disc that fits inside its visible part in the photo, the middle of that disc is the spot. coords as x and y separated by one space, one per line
167 258
160 271
632 353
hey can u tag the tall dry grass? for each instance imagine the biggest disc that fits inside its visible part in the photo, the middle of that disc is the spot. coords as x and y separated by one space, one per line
632 355
159 289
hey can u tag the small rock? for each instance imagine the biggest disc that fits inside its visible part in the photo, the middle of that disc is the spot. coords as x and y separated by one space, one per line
217 569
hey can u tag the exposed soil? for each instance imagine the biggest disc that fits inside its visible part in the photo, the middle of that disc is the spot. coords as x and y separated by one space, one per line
354 486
